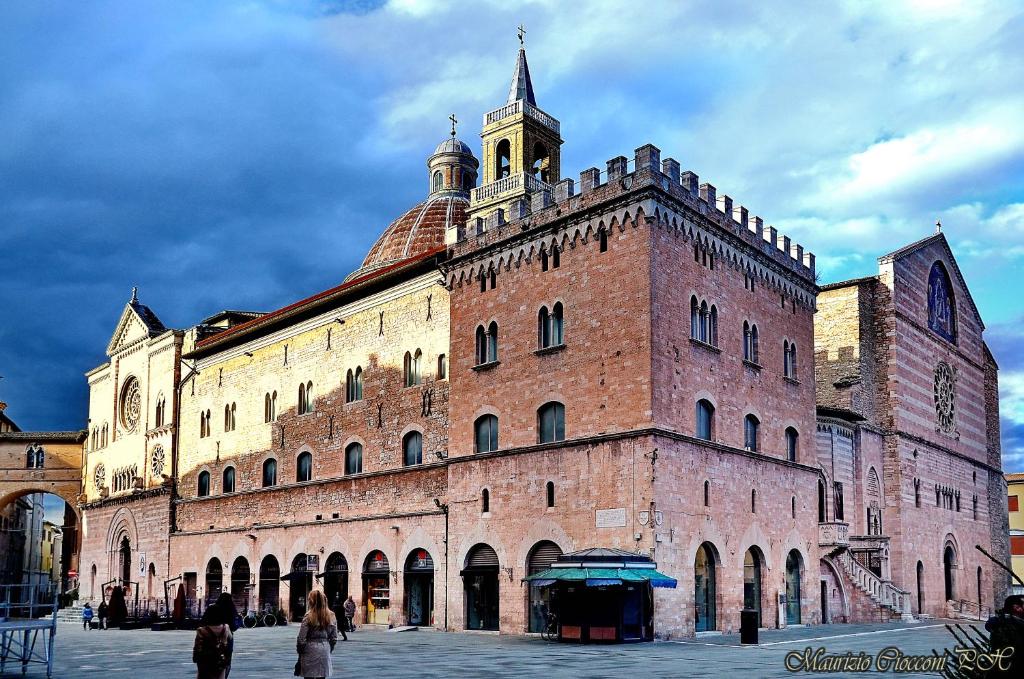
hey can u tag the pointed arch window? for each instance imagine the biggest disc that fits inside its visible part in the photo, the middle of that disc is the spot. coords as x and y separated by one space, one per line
789 359
544 260
228 480
792 442
486 433
550 326
269 472
304 467
551 422
354 385
549 490
751 432
707 493
354 458
713 326
750 342
412 368
305 398
705 419
412 449
694 318
541 167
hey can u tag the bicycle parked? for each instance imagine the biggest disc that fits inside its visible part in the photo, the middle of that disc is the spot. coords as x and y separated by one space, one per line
550 631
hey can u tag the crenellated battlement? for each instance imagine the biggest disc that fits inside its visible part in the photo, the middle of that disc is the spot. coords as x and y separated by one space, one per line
697 203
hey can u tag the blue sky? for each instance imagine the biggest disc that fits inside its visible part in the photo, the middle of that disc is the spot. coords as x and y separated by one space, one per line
244 154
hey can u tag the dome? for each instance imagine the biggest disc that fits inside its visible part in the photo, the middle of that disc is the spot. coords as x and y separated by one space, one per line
420 230
453 145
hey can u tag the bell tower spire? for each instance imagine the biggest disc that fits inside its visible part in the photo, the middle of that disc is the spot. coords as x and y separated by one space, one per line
521 146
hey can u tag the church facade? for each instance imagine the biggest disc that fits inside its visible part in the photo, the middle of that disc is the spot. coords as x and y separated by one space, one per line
527 366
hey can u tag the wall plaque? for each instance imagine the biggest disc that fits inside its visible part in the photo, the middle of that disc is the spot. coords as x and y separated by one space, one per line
611 518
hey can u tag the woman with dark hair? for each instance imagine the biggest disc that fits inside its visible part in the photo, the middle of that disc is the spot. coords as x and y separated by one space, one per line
317 637
229 616
227 606
212 649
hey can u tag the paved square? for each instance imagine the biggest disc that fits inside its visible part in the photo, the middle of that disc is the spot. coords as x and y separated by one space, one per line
266 653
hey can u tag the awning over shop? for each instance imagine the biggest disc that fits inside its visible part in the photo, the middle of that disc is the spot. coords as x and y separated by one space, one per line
598 577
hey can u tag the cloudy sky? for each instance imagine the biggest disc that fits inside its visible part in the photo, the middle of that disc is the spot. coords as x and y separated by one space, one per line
244 154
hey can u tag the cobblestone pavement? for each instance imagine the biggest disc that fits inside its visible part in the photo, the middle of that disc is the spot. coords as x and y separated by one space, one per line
266 653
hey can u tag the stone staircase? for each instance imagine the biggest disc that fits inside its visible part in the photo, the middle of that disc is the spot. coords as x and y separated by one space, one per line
882 592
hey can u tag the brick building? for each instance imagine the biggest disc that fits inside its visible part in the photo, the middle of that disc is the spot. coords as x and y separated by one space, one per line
522 369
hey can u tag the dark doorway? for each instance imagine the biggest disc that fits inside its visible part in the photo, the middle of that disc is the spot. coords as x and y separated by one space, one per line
124 556
270 584
300 583
824 603
752 582
214 580
794 571
336 583
480 582
704 589
948 564
920 588
240 575
419 588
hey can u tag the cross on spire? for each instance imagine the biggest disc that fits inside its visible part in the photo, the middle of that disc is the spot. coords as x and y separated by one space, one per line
522 34
454 122
938 226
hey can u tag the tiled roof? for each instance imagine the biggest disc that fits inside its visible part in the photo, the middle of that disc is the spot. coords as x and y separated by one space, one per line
1017 476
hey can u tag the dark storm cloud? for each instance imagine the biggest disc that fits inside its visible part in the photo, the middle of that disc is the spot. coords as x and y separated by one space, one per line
174 150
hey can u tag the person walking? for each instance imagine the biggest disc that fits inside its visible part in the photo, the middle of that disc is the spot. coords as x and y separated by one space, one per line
212 649
350 613
317 637
86 616
101 615
230 617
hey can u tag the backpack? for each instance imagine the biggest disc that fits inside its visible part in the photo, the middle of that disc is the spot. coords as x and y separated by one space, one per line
215 651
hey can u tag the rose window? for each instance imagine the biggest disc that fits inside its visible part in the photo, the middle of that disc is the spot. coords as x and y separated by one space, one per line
100 475
131 404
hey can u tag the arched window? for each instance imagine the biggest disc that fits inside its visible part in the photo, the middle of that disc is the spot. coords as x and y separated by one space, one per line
481 345
557 335
203 486
486 429
705 419
407 370
549 489
792 504
602 239
707 493
412 368
160 408
551 422
485 501
751 431
232 416
266 408
941 303
492 278
503 159
412 449
228 480
703 321
694 318
821 502
713 326
304 467
556 257
541 167
227 417
442 367
789 359
543 260
543 328
302 399
269 472
354 458
792 439
350 386
437 182
359 384
309 398
468 180
492 342
749 342
753 502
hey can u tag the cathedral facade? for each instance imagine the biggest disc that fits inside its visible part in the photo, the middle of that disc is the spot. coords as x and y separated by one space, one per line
527 366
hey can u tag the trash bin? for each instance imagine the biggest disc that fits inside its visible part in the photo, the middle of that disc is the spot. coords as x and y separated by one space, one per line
748 626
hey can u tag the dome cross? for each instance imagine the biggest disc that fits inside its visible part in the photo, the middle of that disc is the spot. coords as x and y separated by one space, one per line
454 122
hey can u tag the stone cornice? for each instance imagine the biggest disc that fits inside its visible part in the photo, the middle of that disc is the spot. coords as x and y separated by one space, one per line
124 499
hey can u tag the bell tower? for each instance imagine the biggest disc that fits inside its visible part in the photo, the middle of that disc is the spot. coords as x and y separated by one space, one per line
521 147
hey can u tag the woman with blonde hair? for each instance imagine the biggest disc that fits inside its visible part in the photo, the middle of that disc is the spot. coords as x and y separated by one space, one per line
317 637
